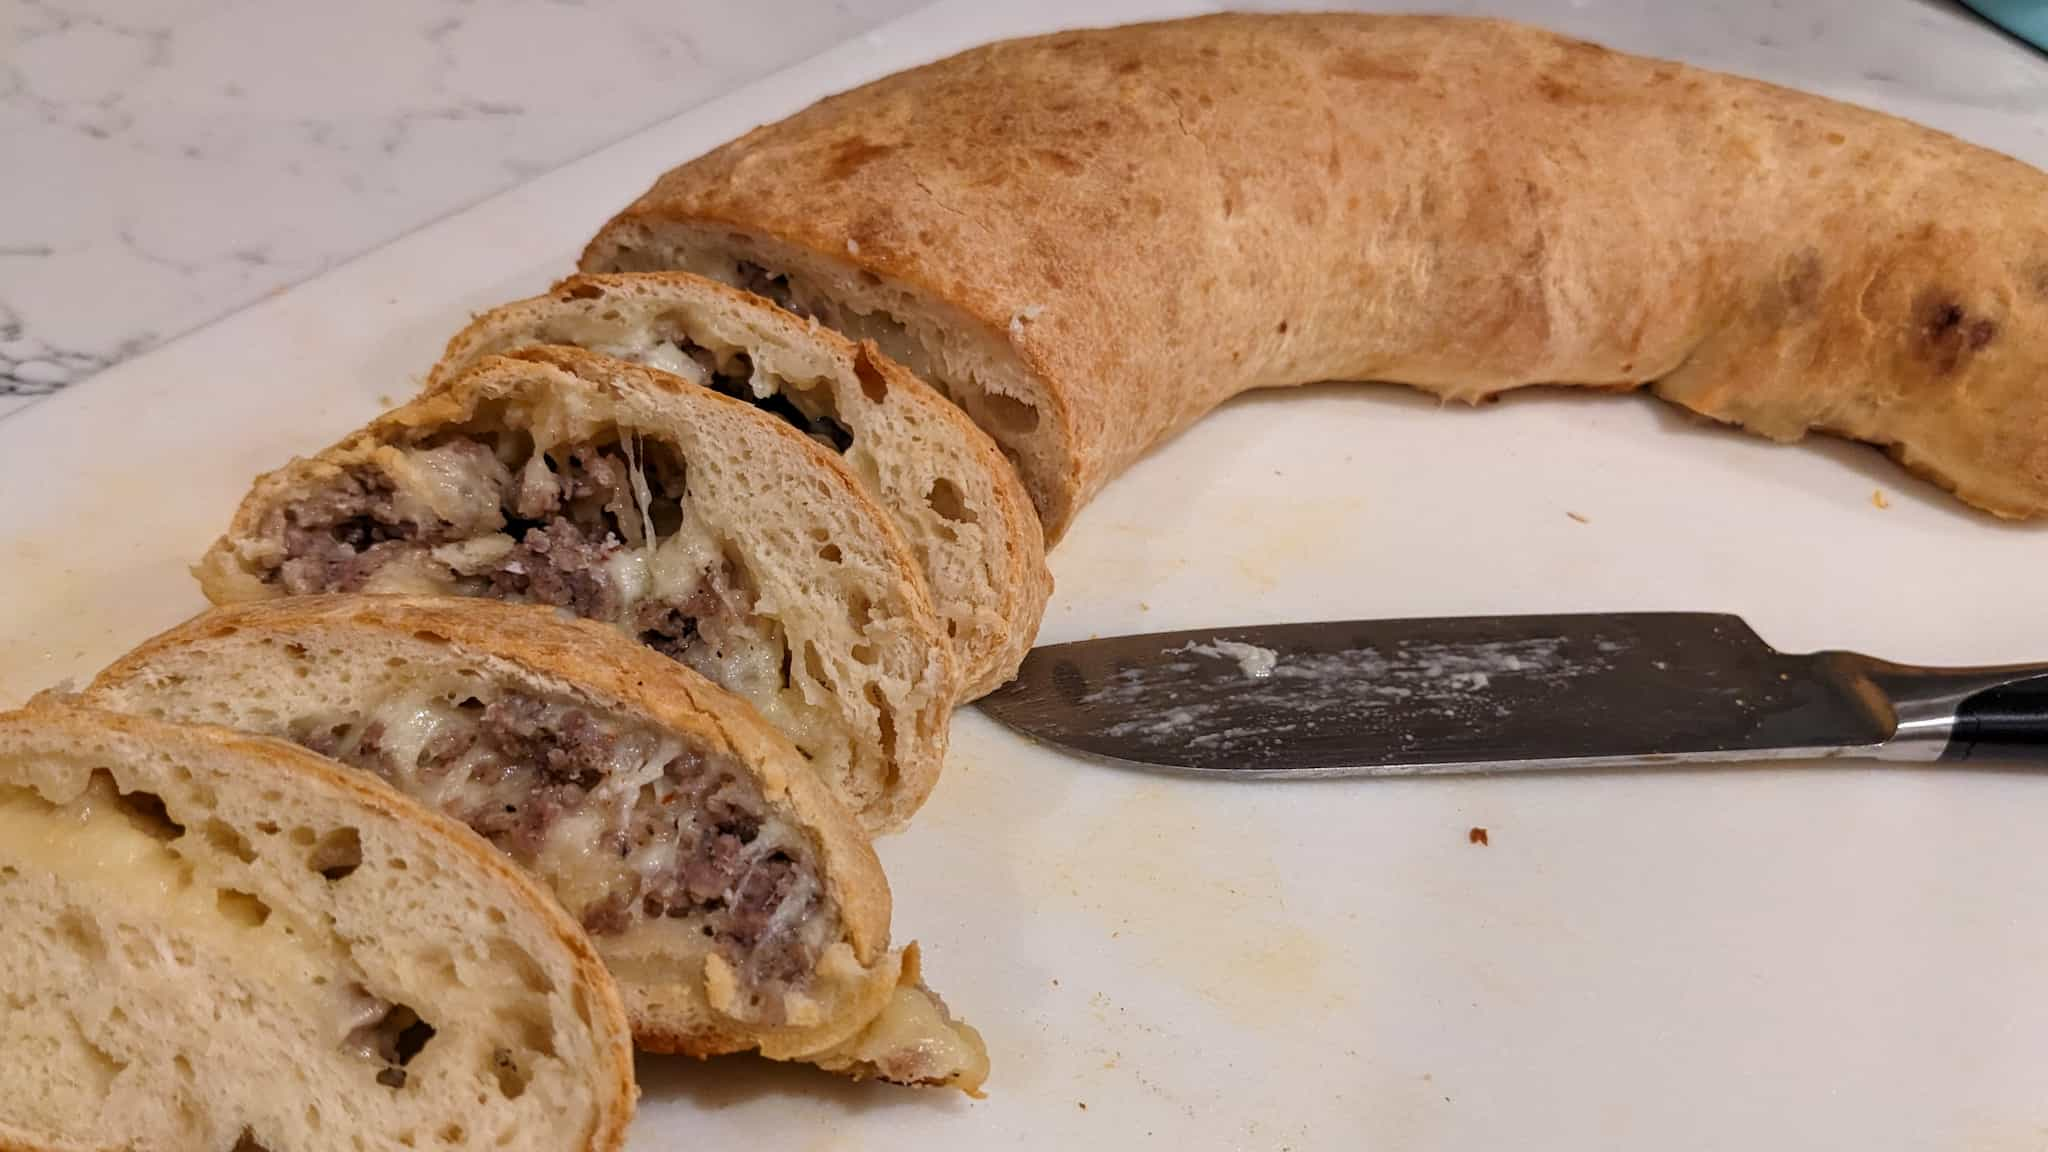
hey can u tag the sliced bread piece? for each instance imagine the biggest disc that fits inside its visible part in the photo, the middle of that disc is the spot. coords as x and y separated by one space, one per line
704 527
213 940
957 500
736 901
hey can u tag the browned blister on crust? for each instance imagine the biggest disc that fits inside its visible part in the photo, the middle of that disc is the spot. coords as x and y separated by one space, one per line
1092 238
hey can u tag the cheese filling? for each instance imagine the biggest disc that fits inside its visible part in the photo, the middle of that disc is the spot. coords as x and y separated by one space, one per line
629 826
140 868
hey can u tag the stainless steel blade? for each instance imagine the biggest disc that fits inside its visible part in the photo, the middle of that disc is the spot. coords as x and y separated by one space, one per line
1444 695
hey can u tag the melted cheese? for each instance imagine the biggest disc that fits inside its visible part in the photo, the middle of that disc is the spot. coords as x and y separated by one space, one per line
414 573
664 356
745 656
475 556
914 1041
631 574
677 568
409 722
92 844
579 861
579 856
452 482
90 841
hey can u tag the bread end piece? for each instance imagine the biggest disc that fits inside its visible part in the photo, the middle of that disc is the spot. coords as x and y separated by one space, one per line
219 940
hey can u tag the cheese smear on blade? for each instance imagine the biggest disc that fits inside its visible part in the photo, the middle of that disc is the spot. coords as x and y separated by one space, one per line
1254 661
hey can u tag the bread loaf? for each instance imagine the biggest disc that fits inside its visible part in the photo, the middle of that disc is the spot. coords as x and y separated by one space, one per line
1092 238
958 502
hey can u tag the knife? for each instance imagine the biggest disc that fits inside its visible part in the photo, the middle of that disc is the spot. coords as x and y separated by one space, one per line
1505 694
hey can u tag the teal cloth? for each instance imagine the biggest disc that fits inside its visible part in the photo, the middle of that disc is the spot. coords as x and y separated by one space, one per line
2026 19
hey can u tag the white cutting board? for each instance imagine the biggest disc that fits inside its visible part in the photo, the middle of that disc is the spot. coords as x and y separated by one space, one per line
1765 958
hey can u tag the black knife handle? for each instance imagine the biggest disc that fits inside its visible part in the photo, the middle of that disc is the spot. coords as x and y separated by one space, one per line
2004 722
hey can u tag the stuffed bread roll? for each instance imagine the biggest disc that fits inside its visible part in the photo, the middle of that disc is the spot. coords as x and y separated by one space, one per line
705 528
213 940
1090 239
738 904
957 500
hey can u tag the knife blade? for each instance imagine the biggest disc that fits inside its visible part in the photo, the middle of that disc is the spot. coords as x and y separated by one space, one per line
1504 693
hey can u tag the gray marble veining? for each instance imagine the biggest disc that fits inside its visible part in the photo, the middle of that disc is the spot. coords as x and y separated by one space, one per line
170 161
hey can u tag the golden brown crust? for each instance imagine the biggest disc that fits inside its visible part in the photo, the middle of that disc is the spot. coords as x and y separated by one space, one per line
877 398
88 728
664 407
1190 210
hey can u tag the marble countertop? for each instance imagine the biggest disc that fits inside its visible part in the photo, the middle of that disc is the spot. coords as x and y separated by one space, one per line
172 162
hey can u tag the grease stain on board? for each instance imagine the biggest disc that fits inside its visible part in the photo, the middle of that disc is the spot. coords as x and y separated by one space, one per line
1200 904
1269 539
66 620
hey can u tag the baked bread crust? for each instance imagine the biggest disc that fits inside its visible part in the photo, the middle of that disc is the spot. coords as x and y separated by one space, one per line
957 500
1111 231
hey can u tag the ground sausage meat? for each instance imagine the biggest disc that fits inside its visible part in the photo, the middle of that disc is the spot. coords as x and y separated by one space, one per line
626 825
336 539
557 564
576 527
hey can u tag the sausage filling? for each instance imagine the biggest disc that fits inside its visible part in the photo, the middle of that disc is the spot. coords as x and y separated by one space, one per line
628 826
599 526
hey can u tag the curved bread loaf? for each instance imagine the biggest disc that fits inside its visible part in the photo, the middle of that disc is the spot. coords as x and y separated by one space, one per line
214 940
738 904
706 528
957 500
1092 238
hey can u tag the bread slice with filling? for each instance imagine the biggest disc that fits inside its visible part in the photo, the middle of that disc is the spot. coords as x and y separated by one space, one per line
692 521
738 904
213 940
957 500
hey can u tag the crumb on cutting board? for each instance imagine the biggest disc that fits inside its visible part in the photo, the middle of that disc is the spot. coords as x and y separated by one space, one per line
1476 836
1577 517
1877 498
